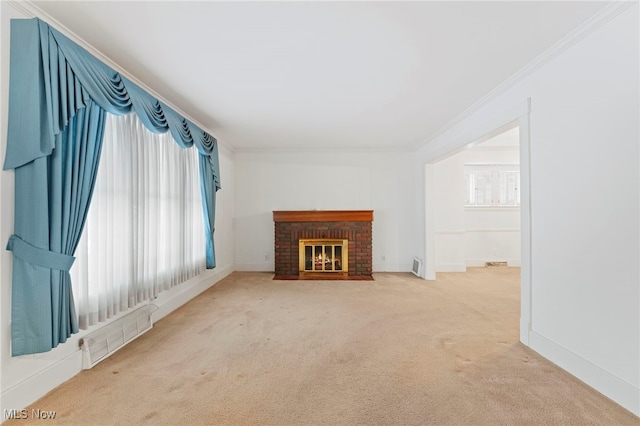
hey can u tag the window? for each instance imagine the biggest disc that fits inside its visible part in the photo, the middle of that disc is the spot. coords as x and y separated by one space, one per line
492 185
145 227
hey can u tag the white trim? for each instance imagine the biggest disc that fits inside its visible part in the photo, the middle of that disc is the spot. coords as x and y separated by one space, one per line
516 167
464 231
34 11
316 150
255 267
481 131
613 387
493 230
605 15
429 268
451 267
37 385
480 263
526 264
517 115
183 294
495 148
40 383
392 267
450 231
377 267
492 208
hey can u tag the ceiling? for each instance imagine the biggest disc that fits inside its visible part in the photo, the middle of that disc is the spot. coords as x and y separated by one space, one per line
321 75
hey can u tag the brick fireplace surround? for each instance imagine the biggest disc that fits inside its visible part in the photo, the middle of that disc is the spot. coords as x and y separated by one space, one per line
352 225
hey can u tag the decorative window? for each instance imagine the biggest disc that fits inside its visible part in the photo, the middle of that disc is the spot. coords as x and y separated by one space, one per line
492 185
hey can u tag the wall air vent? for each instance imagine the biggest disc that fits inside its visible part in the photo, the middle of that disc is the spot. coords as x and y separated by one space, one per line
416 267
103 342
495 264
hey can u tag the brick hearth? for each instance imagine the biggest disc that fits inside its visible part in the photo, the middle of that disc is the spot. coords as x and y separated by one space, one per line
352 225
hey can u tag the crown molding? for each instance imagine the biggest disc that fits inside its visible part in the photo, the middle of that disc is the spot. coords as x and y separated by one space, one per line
33 11
508 148
314 150
606 14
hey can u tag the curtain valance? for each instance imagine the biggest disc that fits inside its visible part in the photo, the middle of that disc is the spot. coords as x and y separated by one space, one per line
59 95
53 66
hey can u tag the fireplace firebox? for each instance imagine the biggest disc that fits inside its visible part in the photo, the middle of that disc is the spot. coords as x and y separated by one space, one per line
323 244
324 256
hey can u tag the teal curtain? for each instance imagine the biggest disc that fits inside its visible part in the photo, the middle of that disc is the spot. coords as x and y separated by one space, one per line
208 189
52 193
58 97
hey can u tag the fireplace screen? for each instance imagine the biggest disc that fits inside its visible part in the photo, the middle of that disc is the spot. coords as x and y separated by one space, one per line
324 255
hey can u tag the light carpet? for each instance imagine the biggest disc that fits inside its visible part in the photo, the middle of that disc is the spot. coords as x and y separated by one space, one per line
395 351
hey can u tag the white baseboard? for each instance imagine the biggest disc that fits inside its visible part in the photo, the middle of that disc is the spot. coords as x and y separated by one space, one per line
29 390
392 267
186 292
254 267
39 384
268 267
475 263
451 267
524 330
611 386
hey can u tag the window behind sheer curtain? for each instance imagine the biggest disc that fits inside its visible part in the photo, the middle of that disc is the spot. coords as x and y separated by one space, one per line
145 228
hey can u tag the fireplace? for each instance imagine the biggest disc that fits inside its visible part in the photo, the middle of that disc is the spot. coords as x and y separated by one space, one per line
323 256
323 244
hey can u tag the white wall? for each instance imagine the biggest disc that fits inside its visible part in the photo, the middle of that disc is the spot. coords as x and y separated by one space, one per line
26 378
582 310
466 237
585 281
322 180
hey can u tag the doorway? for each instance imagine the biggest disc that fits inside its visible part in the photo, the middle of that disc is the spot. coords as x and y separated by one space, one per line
516 117
477 205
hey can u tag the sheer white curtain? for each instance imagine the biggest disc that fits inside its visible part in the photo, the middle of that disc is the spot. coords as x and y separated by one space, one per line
145 228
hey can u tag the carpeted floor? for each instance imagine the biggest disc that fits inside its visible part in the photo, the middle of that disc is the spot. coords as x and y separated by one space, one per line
395 351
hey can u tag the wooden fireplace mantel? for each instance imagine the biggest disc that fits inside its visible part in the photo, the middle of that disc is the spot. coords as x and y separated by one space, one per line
323 216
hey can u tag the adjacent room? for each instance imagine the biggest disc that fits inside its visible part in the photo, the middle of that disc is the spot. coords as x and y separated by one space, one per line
285 212
477 205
